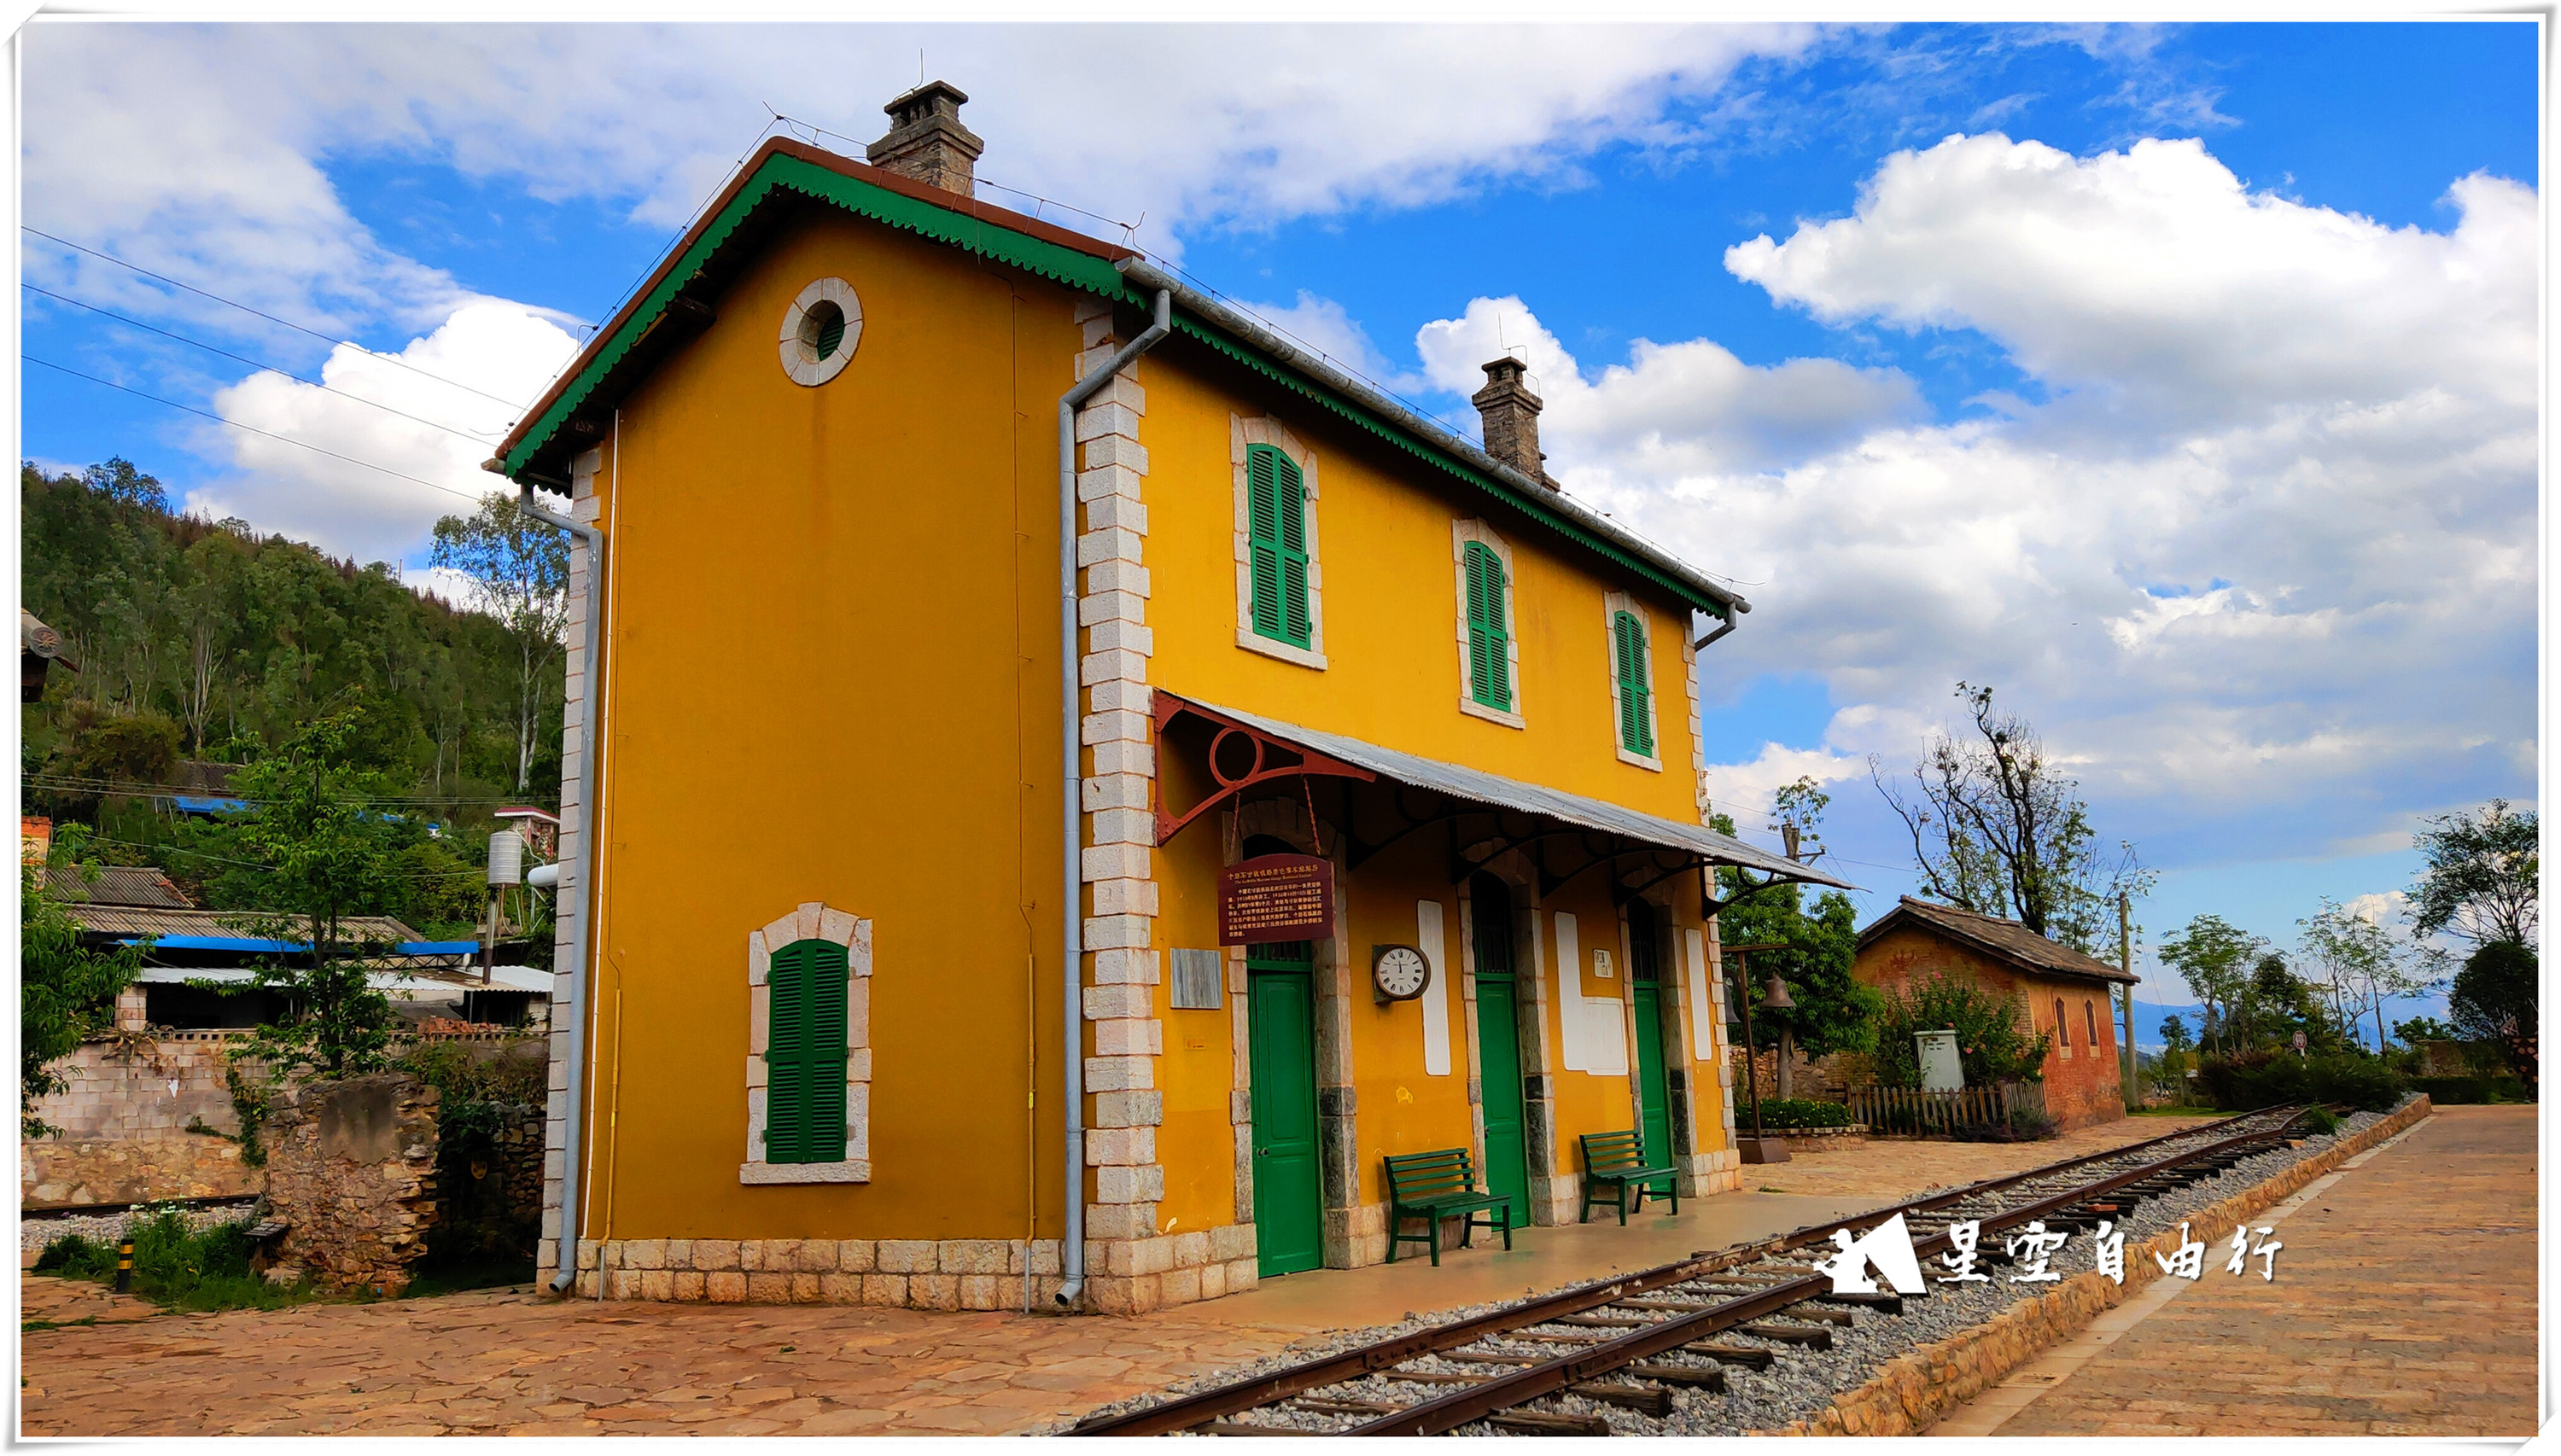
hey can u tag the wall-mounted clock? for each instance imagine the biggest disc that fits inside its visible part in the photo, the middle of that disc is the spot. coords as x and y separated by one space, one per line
1398 972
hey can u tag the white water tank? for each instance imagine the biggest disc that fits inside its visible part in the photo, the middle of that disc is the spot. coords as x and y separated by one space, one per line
506 858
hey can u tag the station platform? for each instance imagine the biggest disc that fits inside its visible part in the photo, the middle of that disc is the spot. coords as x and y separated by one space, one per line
1540 1259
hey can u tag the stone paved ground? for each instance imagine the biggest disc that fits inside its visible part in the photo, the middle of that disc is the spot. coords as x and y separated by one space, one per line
509 1361
2404 1304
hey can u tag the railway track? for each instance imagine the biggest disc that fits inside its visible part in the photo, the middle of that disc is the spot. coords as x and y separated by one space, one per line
1632 1340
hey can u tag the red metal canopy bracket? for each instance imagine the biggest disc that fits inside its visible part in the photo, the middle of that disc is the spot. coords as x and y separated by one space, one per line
1239 758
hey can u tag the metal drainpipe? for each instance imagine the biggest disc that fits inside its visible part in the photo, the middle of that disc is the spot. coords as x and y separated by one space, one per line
586 886
1072 770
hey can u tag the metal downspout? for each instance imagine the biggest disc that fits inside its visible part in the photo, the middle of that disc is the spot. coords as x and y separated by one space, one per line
585 885
1072 781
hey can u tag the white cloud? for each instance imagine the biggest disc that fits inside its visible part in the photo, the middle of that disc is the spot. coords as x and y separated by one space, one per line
217 130
2153 281
1749 791
1673 409
345 508
2263 569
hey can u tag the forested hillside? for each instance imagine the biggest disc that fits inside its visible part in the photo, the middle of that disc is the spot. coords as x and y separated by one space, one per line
201 639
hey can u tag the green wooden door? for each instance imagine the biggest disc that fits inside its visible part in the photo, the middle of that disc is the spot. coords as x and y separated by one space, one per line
1288 1191
1645 1002
1499 1049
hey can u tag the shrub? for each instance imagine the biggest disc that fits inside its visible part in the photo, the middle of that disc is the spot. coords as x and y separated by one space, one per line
2451 1090
177 1266
2246 1080
1994 1038
2320 1120
1799 1112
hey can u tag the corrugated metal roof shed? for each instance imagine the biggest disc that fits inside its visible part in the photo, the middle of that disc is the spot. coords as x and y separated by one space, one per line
115 885
155 921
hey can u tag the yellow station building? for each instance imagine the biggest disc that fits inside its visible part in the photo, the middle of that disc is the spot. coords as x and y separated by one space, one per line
892 506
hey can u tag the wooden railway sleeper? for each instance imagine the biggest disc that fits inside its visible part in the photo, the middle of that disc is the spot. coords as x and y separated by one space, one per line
1547 1423
1744 1354
1646 1399
1694 1376
1813 1337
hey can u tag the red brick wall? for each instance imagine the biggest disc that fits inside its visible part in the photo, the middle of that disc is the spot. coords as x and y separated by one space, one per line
2082 1083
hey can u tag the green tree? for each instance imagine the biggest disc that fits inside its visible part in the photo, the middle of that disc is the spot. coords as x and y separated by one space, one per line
2424 1029
1998 828
1833 1011
521 567
2494 999
2215 959
313 845
2361 963
2482 879
66 990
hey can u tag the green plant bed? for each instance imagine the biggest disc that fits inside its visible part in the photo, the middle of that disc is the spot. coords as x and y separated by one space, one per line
2447 1092
179 1267
1797 1114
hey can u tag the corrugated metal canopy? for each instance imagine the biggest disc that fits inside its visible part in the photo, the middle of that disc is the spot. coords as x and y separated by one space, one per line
501 978
1493 789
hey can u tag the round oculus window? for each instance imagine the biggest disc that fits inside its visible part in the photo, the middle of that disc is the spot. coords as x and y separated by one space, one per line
821 331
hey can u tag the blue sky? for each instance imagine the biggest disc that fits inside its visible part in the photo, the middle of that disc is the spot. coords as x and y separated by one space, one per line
2162 376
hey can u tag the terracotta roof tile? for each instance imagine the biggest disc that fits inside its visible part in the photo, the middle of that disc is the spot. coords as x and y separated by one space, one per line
2004 941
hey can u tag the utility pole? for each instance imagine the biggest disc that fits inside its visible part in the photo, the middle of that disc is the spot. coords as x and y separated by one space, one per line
2126 963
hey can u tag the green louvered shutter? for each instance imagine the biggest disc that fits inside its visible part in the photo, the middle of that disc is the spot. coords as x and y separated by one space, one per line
1489 665
1276 545
804 1054
1636 721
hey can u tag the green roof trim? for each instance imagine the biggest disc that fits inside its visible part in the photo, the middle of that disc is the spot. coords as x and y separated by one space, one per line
1061 264
926 219
1529 505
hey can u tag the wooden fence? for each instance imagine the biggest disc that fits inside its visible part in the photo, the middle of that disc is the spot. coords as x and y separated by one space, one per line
1910 1110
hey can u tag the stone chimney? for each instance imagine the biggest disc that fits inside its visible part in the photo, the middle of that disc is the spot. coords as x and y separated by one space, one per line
1510 414
927 141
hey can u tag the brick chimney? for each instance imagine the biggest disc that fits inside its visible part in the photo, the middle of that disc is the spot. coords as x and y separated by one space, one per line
1510 414
927 141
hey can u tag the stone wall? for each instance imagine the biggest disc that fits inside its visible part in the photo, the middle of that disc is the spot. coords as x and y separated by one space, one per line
1911 1394
134 1171
351 1167
128 1089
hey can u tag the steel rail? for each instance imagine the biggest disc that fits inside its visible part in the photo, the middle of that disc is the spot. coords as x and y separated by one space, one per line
1502 1393
1184 1412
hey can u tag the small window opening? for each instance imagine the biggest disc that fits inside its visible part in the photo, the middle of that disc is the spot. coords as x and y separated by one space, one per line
822 328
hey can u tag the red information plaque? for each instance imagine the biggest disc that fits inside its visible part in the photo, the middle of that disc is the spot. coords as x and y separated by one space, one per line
1276 897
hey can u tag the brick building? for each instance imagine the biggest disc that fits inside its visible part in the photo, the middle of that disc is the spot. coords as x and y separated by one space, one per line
2067 993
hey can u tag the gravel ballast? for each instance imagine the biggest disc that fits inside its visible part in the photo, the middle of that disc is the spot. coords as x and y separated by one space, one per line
1800 1380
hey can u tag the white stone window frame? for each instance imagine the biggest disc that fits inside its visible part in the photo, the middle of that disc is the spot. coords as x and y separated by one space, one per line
799 362
1462 533
813 921
1266 430
1610 605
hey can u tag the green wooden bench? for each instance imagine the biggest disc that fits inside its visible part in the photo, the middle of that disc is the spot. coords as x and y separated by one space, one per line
1617 1161
1437 1185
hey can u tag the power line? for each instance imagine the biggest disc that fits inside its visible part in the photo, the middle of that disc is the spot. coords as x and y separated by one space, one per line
271 318
473 435
251 428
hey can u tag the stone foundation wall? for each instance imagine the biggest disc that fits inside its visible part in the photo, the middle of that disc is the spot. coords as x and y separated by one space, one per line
1912 1393
1122 1276
351 1167
135 1171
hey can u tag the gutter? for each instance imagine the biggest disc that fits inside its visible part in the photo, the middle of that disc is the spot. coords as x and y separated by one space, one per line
1144 272
1071 789
579 938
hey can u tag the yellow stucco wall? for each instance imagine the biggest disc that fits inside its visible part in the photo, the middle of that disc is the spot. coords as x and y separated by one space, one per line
1389 602
831 676
835 623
